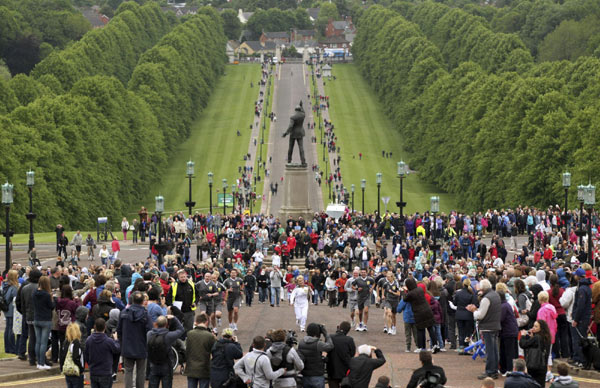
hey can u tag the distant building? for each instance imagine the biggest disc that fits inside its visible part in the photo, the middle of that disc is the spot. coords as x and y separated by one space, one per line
252 47
243 17
93 15
303 35
279 38
344 28
231 50
334 42
326 70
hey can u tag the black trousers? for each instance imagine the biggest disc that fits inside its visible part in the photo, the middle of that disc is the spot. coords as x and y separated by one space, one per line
509 350
291 150
421 341
31 344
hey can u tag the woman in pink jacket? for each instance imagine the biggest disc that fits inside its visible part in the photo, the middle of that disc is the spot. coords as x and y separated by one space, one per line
547 313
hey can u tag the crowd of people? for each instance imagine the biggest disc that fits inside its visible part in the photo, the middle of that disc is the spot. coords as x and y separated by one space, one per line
535 303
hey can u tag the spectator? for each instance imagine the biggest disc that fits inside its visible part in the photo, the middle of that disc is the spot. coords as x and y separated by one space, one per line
410 327
43 304
488 382
224 353
489 315
283 355
537 343
563 380
508 336
421 311
363 365
198 345
24 305
65 311
10 287
582 310
255 368
547 313
338 360
160 340
155 305
383 382
71 347
98 354
427 369
464 318
134 324
519 378
311 349
276 282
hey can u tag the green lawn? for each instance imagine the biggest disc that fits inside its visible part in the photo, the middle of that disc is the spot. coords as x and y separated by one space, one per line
362 127
213 144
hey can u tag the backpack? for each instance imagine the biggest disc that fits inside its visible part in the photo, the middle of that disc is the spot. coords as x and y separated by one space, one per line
4 306
158 353
277 363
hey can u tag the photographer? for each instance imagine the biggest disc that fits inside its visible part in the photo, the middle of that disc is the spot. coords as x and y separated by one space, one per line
425 376
224 353
160 340
362 366
255 367
311 349
283 355
338 360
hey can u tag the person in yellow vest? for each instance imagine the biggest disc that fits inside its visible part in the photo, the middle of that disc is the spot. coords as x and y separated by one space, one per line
420 230
182 295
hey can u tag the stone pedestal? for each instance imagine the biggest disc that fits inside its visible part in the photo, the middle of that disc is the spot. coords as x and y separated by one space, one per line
296 196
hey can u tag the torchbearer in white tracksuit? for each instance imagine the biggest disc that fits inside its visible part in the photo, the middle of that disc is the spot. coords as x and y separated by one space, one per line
299 298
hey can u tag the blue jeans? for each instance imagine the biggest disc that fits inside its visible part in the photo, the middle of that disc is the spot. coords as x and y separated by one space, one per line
74 381
437 329
101 381
313 382
263 294
158 373
490 338
42 332
576 334
198 383
10 344
275 294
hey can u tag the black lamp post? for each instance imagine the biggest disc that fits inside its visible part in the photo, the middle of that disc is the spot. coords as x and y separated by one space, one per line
435 208
363 184
566 182
352 187
234 193
190 174
224 196
210 183
251 200
31 215
7 200
378 180
590 201
402 171
580 231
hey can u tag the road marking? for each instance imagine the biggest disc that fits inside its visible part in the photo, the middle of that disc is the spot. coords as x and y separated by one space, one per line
31 381
279 73
594 381
303 75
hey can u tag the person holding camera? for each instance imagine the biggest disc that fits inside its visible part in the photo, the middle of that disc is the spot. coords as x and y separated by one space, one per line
283 355
160 340
311 348
255 367
428 375
363 365
224 352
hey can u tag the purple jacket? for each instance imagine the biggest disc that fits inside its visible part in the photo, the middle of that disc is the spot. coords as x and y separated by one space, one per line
437 311
510 329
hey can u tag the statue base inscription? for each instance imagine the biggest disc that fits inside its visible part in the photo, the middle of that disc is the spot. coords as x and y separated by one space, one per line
296 196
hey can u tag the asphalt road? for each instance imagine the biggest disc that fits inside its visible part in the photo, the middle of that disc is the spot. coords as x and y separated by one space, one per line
291 87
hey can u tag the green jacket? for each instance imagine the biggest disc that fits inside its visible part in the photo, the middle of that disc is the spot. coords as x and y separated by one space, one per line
198 345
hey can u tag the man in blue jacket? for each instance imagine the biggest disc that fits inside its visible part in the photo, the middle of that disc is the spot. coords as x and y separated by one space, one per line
582 313
99 351
134 323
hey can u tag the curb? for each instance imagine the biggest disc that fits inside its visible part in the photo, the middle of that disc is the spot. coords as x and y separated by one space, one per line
30 374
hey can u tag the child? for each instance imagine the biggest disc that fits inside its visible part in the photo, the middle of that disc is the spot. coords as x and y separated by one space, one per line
563 380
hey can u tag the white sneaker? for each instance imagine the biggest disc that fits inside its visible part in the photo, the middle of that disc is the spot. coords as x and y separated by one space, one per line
393 331
359 327
417 350
364 328
235 327
385 329
408 351
45 367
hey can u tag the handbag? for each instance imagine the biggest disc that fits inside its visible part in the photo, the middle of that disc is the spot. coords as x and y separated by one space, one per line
69 367
17 320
